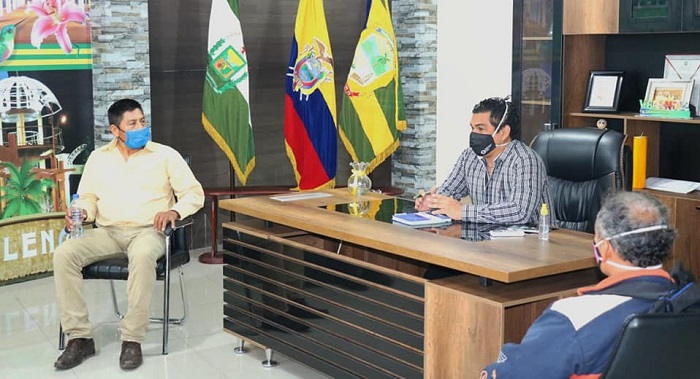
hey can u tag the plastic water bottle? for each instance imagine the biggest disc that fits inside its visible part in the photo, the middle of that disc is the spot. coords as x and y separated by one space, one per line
76 216
544 222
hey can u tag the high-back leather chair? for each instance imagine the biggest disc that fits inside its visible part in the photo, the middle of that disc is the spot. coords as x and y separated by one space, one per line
660 345
583 165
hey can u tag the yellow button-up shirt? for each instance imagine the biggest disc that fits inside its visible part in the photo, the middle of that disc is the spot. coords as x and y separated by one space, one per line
120 192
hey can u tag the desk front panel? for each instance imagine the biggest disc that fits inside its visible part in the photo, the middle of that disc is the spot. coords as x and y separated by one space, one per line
368 312
345 318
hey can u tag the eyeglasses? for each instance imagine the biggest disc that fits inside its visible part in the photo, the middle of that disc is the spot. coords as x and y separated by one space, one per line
596 253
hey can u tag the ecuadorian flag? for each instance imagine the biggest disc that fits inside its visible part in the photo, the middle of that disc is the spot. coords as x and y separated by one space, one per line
372 112
309 107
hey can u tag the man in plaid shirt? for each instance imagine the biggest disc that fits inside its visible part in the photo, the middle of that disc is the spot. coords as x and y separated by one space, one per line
505 179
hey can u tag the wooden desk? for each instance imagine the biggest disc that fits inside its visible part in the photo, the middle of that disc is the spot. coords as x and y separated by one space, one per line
369 313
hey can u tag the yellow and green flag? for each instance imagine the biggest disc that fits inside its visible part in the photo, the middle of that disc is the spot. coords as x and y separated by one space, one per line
225 108
372 111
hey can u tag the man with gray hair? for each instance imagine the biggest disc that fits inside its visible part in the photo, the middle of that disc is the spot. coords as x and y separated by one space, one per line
575 336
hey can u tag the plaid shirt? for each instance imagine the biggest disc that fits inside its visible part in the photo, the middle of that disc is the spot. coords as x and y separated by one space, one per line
513 194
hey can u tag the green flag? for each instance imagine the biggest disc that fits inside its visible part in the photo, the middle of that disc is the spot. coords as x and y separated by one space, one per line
225 109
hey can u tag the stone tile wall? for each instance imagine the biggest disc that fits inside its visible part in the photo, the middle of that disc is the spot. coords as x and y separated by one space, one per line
120 58
415 25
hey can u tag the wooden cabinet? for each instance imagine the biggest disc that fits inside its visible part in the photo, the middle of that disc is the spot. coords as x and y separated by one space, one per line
591 16
589 26
685 216
653 16
630 16
650 16
687 220
691 15
537 65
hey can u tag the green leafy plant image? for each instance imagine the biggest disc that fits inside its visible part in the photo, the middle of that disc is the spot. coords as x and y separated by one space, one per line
23 192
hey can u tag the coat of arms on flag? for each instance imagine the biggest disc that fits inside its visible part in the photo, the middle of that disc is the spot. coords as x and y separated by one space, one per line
375 57
313 68
228 64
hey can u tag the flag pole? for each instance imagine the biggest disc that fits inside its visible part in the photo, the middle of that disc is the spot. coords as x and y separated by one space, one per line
232 187
225 108
215 256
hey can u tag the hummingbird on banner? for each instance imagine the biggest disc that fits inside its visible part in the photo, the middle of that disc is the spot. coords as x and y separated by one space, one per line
7 40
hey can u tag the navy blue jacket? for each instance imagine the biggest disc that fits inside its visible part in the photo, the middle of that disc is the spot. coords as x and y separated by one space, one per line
575 336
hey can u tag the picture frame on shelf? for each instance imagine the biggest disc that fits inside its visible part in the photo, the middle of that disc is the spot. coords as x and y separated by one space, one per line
603 93
668 95
684 67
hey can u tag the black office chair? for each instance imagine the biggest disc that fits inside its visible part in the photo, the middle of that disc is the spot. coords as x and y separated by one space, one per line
660 345
177 253
583 165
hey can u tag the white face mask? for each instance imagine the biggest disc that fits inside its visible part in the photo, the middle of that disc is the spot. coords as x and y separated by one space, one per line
632 268
623 234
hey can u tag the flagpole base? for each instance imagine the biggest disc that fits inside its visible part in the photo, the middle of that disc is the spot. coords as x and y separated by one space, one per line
214 258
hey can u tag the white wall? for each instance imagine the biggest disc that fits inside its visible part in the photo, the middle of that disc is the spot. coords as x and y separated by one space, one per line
474 61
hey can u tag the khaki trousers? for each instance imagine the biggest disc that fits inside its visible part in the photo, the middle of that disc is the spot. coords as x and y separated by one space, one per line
142 245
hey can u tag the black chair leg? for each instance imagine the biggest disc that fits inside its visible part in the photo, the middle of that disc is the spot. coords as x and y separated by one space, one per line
61 337
166 296
183 297
114 300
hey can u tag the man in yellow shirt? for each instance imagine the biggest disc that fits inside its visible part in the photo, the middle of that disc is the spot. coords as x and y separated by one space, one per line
131 189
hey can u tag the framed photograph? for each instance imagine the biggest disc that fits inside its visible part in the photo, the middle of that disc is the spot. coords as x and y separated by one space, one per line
685 67
603 94
664 94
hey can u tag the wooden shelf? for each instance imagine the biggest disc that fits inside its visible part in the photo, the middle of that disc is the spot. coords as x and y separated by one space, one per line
638 117
588 26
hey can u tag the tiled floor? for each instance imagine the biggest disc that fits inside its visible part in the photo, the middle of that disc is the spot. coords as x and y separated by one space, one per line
198 349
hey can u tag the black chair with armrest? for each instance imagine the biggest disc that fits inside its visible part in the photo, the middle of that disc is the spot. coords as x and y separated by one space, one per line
659 345
583 165
177 253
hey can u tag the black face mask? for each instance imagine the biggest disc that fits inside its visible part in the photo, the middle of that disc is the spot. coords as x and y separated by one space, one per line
482 144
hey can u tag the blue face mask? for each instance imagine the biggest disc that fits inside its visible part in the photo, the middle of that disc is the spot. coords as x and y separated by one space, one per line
137 139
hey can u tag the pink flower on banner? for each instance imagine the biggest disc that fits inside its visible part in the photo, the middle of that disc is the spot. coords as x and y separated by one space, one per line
54 15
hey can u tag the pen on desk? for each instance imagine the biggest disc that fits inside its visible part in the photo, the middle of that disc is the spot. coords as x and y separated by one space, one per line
418 196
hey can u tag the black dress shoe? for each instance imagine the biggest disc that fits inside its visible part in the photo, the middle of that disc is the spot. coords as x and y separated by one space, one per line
75 353
131 356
